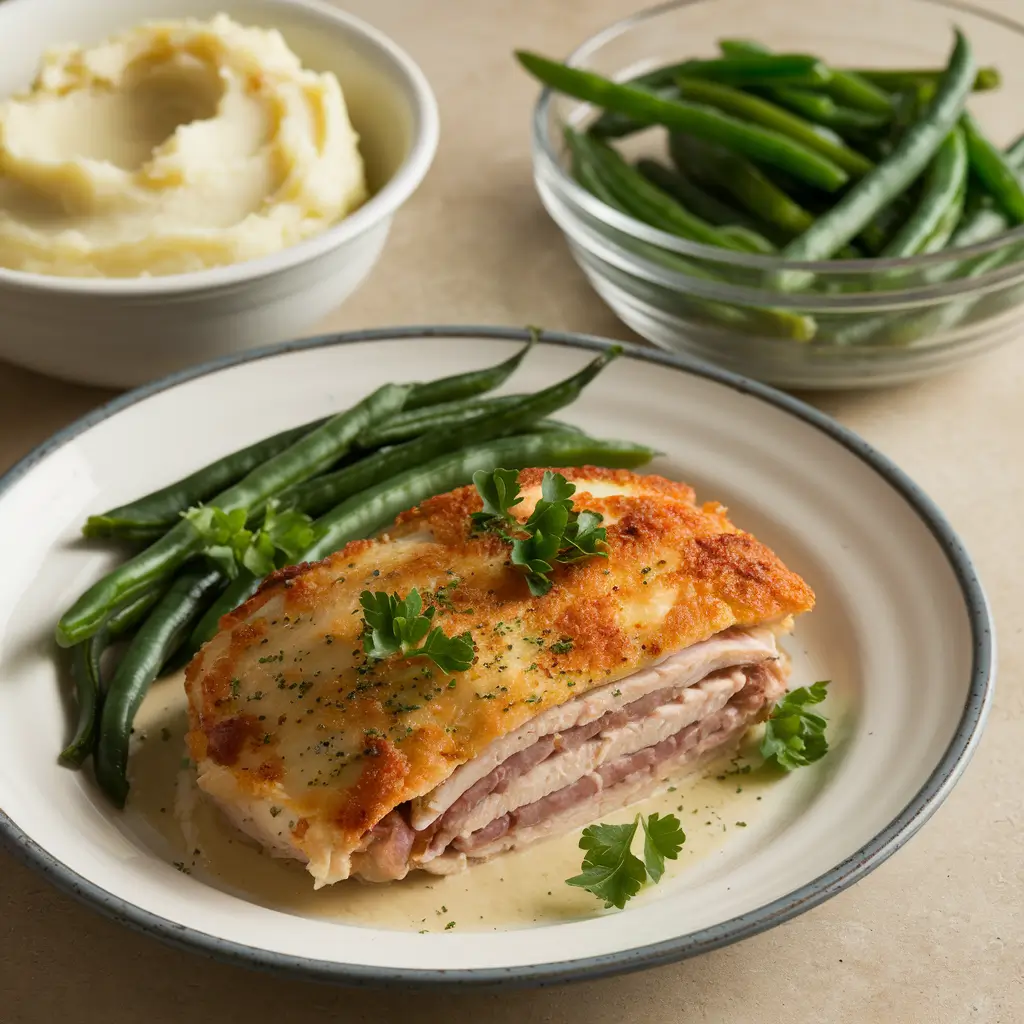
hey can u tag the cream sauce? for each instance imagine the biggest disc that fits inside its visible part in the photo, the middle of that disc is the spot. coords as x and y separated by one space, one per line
167 811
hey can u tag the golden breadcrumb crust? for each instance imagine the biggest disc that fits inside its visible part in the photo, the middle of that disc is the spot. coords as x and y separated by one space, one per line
283 696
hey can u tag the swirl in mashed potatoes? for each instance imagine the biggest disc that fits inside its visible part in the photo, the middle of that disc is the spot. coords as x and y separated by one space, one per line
171 148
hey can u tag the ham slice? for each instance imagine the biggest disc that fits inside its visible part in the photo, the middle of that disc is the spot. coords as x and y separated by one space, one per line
621 783
585 758
616 734
728 649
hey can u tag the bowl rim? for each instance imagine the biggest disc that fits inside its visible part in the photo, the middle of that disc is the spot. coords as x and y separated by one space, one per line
637 229
382 204
888 840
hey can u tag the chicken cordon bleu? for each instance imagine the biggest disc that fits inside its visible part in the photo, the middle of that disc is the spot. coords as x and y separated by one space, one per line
633 667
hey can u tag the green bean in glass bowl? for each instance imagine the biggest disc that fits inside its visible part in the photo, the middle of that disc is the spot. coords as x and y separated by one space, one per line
830 198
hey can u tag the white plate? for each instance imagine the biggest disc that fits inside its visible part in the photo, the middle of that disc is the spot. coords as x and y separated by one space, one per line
901 627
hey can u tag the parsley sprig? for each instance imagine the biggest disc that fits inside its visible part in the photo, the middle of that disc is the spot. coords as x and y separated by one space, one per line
281 539
794 737
554 533
612 872
394 625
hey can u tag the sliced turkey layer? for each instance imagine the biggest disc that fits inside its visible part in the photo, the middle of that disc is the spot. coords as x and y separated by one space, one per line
684 668
637 726
626 779
389 852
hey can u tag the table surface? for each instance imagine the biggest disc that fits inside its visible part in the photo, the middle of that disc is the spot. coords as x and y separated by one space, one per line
934 935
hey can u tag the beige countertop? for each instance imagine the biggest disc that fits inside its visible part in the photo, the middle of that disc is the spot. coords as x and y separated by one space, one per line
933 936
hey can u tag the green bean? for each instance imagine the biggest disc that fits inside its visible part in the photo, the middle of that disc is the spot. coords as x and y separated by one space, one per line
412 423
649 203
824 110
947 224
909 327
85 673
158 638
309 455
149 517
88 678
745 69
908 108
406 426
586 175
375 508
848 87
691 195
756 69
159 511
129 615
123 531
814 105
901 79
772 322
613 125
944 180
153 514
236 593
316 496
742 180
851 90
774 195
752 141
812 200
981 226
768 115
978 225
984 221
468 385
993 170
891 177
877 233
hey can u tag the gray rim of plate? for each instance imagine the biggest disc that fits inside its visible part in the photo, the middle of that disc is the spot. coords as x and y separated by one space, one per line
851 870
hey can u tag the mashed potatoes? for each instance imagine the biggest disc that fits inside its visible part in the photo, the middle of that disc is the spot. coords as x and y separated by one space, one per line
174 147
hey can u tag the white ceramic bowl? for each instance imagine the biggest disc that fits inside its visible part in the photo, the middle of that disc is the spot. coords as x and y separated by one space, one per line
123 332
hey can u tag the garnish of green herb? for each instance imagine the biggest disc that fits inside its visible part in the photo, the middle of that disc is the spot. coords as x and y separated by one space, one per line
230 545
394 625
554 533
794 737
499 491
612 872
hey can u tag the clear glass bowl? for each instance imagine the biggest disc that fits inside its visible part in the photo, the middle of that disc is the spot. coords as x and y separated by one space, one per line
857 322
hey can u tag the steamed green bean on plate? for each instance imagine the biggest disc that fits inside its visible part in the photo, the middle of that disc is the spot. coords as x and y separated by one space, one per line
203 544
796 218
